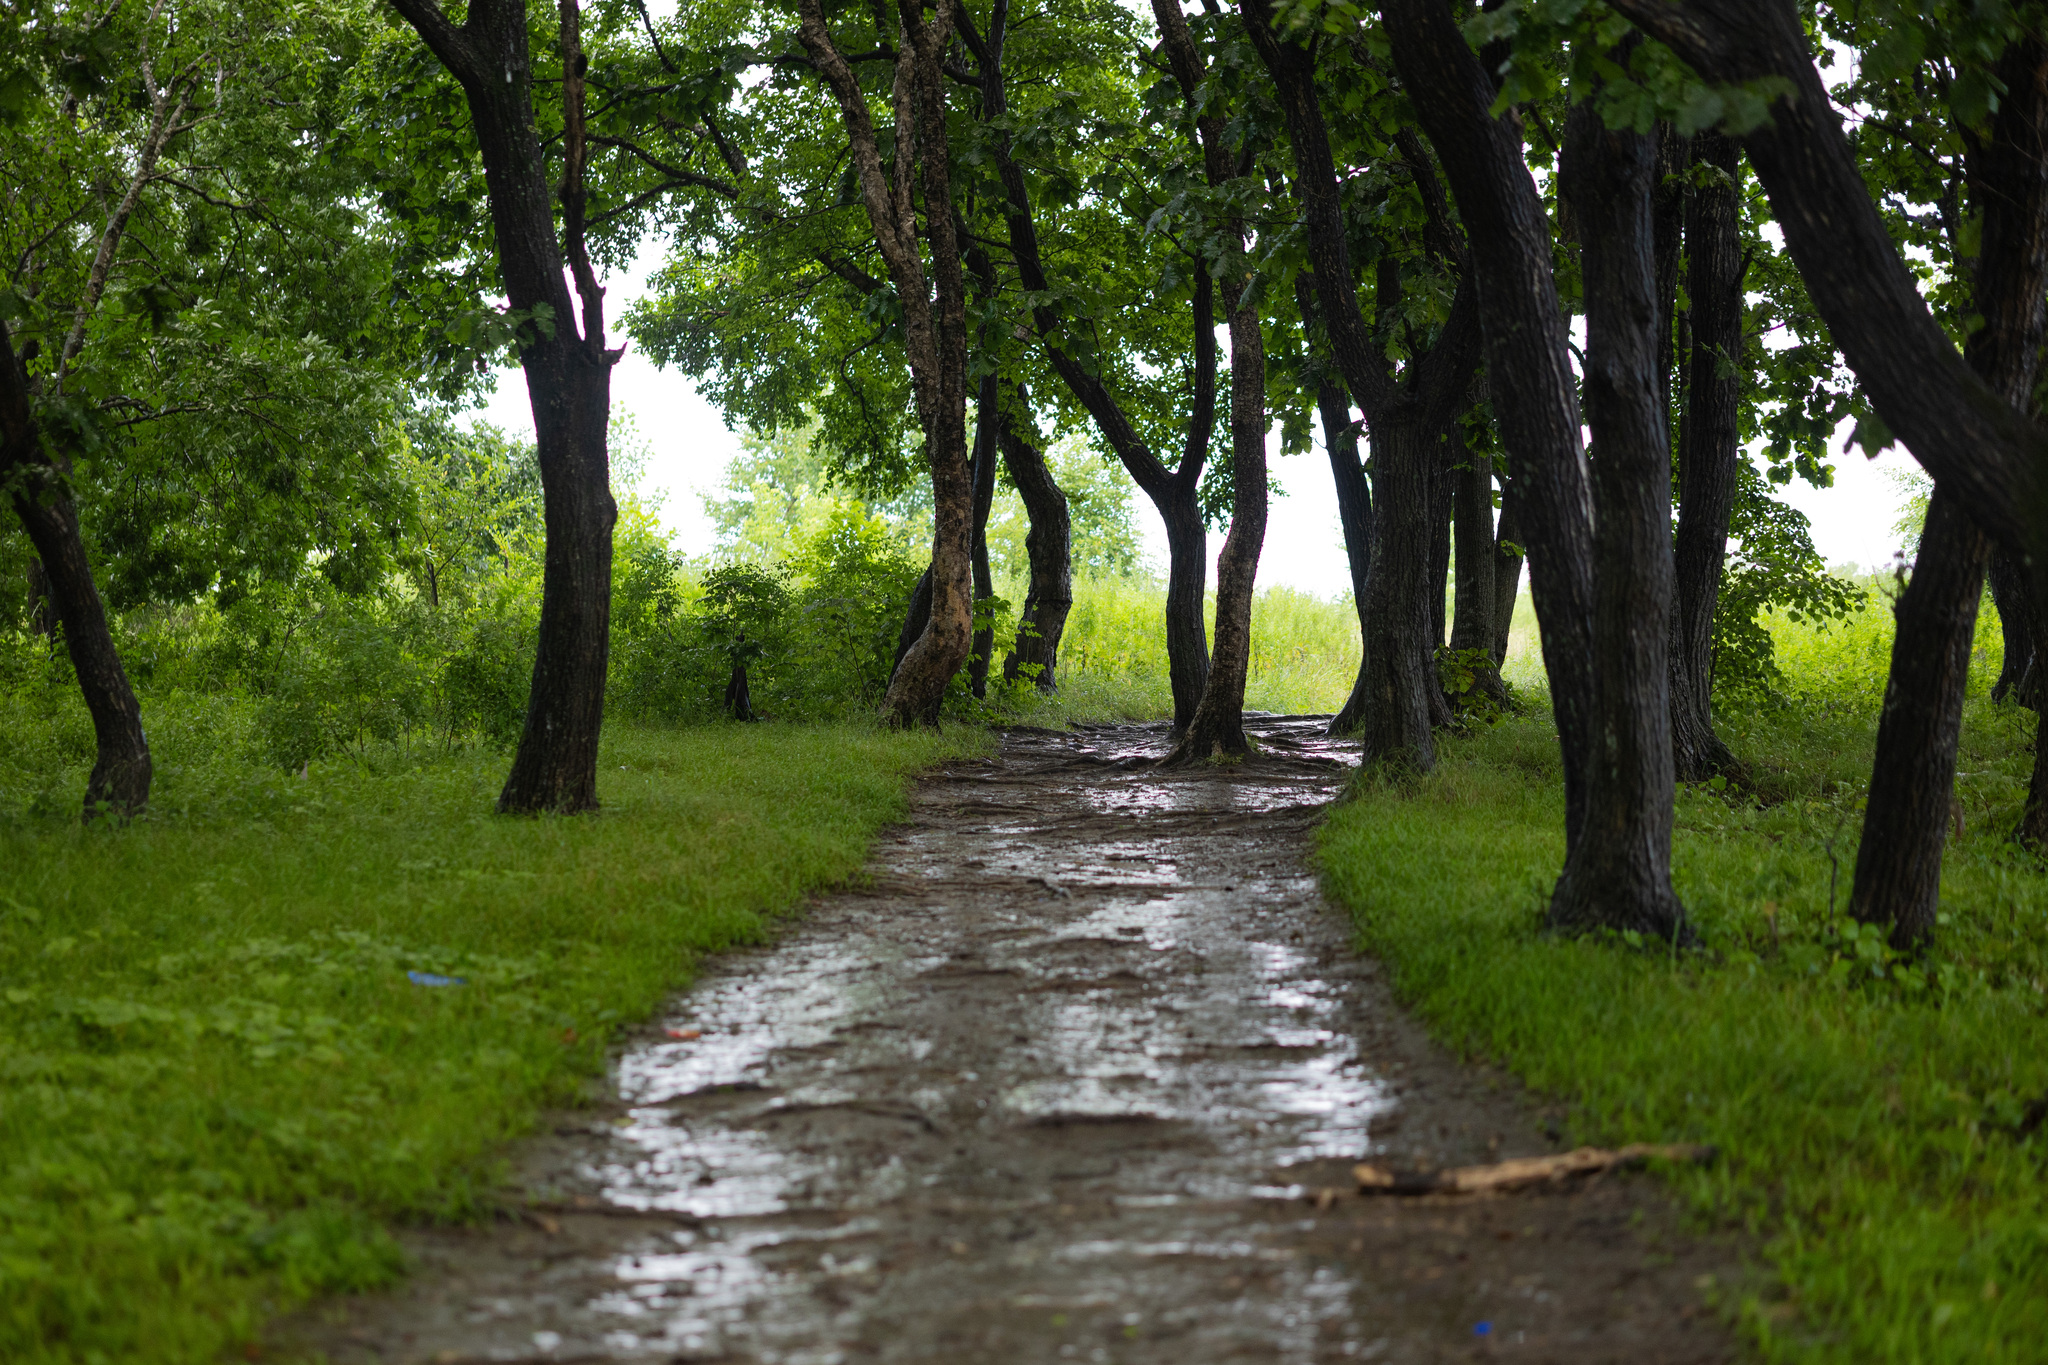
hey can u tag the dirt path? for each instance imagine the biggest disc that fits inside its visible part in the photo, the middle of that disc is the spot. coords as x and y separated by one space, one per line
1063 1083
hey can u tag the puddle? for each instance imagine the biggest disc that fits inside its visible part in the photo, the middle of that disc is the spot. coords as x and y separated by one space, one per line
1053 1087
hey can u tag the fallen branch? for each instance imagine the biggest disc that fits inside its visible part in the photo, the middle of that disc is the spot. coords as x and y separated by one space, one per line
1519 1173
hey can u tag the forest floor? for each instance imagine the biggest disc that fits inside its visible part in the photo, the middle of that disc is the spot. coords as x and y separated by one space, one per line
1078 1071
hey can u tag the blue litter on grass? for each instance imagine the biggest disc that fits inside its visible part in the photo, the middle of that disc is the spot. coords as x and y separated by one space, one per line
429 979
1482 1329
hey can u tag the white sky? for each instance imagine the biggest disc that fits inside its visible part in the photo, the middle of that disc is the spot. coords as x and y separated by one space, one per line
1304 549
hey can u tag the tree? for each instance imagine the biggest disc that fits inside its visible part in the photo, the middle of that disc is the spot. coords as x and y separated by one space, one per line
568 376
934 313
1617 872
187 401
1217 725
1406 415
1898 860
1710 446
1528 363
1074 348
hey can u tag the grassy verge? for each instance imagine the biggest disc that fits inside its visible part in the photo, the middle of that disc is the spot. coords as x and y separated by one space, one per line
1872 1113
217 1081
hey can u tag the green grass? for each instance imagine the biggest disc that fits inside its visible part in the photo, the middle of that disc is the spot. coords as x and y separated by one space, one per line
1113 653
1868 1110
217 1085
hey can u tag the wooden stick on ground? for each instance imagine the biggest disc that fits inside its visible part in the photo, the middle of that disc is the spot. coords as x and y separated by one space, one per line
1519 1173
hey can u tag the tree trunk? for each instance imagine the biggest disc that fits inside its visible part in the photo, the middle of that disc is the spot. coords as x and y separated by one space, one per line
1905 821
121 770
568 380
1528 370
2011 595
1617 874
916 617
1507 572
1354 493
1391 706
1707 457
1048 546
1217 727
934 301
984 480
555 767
1473 631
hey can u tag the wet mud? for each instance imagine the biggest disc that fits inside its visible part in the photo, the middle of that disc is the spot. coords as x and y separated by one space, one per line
1077 1074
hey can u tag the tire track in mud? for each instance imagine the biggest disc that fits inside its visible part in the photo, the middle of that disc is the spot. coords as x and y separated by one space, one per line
1078 1074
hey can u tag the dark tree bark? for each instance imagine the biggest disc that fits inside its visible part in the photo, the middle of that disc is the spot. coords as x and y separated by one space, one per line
1397 696
1906 818
1957 426
1174 492
1708 452
1617 873
2016 623
37 481
1507 572
934 314
568 377
1528 361
984 480
1048 546
1473 630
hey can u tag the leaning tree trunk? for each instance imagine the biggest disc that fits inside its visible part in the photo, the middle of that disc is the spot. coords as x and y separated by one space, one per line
1472 624
1528 370
1217 727
121 770
1049 548
1905 821
984 481
1617 874
1707 456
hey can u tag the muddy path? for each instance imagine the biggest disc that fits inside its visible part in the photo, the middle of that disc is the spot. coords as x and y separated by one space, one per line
1079 1074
